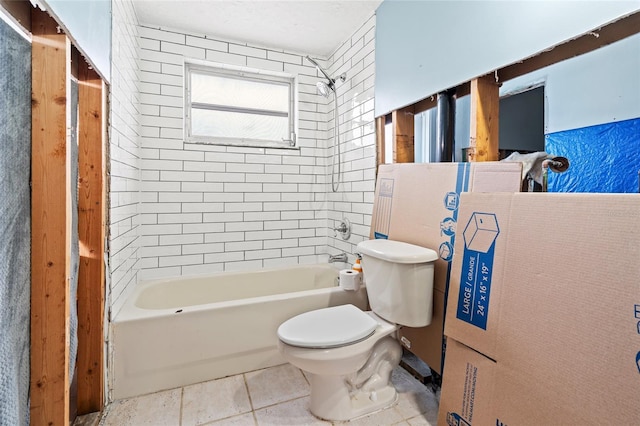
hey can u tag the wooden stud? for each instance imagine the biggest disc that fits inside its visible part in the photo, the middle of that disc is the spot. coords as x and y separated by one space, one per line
485 104
91 235
380 147
403 135
50 223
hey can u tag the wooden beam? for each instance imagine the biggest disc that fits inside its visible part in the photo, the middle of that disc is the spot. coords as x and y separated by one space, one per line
50 223
380 142
599 37
485 110
19 10
425 104
463 90
403 135
91 235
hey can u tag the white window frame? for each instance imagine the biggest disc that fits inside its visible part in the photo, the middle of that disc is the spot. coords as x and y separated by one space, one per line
243 73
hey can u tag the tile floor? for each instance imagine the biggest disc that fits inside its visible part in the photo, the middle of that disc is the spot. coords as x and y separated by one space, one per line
273 396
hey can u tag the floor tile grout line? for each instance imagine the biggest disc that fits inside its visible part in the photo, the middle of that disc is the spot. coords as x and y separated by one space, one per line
246 388
282 402
305 377
181 405
225 418
210 422
307 394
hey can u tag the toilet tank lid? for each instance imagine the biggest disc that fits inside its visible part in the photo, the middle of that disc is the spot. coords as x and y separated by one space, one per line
396 251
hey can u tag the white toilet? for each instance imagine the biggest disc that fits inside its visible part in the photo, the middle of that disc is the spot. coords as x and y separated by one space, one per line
349 354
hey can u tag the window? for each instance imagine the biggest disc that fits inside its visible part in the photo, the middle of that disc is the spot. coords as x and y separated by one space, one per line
238 106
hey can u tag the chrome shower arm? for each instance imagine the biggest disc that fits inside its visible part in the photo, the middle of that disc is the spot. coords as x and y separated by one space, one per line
319 68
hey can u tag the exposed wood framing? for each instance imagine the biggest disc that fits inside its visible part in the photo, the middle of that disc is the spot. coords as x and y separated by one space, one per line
485 110
463 90
380 147
425 104
585 43
403 135
607 34
91 235
19 10
50 224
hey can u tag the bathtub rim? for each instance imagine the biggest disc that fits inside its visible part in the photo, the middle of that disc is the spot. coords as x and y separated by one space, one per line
131 312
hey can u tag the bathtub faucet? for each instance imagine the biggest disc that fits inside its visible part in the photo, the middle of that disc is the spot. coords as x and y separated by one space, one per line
342 257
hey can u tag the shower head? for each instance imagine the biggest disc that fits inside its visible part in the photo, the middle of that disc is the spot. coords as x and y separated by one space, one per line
324 89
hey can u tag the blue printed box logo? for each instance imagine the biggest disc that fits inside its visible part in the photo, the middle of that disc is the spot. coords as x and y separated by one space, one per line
477 268
481 232
636 309
455 419
451 200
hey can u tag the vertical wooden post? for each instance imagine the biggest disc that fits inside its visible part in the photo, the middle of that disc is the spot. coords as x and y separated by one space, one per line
485 109
380 147
403 135
50 223
91 235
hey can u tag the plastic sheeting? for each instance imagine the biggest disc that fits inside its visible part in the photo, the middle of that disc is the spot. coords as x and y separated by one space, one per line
602 158
75 250
15 225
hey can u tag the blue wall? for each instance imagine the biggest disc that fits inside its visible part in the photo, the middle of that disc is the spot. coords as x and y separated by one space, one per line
595 88
423 47
88 24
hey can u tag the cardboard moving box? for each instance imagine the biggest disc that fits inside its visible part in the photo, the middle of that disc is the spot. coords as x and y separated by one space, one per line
543 315
418 204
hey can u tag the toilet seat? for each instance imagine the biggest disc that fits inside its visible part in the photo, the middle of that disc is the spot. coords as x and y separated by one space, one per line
327 328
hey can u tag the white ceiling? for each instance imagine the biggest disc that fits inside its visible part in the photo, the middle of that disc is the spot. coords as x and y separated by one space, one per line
315 27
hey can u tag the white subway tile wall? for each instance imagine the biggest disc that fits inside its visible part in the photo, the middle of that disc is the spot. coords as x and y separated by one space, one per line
354 199
124 156
207 208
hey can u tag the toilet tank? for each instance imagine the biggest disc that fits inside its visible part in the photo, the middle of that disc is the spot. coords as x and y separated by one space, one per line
399 280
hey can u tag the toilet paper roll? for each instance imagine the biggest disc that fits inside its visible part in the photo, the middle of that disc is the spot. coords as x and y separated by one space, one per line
350 280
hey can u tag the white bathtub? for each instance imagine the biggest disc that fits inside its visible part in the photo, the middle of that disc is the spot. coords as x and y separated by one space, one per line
173 333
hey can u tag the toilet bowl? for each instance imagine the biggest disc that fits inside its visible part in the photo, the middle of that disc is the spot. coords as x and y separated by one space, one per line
350 373
349 354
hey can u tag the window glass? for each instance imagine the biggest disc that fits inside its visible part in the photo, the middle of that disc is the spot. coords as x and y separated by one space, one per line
239 107
226 124
219 90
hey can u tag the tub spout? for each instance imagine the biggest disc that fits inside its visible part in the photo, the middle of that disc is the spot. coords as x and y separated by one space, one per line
342 257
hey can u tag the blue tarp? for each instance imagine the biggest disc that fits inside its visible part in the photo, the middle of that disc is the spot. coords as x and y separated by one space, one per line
603 158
